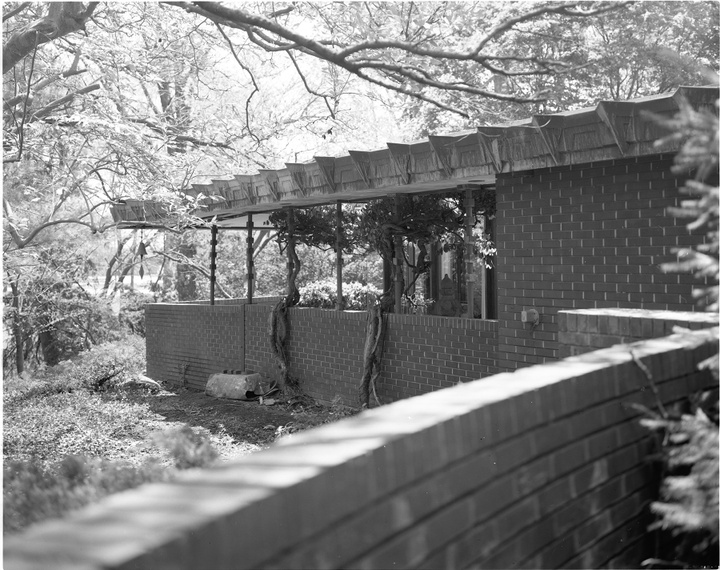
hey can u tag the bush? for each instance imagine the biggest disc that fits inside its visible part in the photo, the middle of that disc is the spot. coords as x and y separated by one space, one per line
33 491
689 505
132 311
73 411
188 448
96 369
66 409
323 295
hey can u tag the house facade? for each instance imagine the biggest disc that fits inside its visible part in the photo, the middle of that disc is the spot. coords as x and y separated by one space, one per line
581 223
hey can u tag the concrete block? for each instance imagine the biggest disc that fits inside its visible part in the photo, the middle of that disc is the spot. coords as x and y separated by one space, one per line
233 386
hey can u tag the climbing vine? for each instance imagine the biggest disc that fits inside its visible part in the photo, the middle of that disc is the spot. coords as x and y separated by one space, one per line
385 226
427 220
315 227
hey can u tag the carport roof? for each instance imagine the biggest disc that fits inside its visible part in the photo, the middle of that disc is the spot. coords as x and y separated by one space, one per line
610 130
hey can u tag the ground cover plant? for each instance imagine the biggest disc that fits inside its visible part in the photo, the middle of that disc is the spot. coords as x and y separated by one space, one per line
93 426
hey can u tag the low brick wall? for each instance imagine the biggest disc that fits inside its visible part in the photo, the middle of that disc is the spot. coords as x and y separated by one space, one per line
541 468
185 343
422 353
586 330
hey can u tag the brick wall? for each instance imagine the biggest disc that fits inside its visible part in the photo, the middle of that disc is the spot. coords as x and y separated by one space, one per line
585 236
185 343
589 329
325 350
544 467
422 353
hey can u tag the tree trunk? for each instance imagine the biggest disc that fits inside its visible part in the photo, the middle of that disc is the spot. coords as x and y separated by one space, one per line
48 344
185 278
17 329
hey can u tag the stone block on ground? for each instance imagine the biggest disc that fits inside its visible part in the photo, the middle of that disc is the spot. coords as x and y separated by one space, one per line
233 386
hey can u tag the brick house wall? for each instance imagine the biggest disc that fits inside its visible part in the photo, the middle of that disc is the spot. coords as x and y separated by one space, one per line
584 236
544 467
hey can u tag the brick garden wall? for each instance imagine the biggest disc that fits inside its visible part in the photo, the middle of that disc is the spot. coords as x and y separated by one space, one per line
544 467
590 329
185 343
422 353
585 236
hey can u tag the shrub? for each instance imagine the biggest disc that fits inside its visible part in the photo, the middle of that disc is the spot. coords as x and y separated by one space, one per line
323 295
33 491
689 493
66 409
187 447
94 369
132 311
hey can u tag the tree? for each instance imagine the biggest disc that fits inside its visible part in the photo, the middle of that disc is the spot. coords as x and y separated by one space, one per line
644 49
407 48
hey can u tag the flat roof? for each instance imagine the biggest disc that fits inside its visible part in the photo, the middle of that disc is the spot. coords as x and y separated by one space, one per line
440 163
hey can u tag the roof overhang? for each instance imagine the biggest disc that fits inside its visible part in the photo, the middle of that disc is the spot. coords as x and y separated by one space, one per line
610 130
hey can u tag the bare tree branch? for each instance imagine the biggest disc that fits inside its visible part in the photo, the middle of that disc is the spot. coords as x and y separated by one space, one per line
47 109
308 88
256 89
365 59
21 242
200 269
16 11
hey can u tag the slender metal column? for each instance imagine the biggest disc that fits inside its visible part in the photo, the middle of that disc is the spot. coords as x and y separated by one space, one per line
249 263
338 257
213 255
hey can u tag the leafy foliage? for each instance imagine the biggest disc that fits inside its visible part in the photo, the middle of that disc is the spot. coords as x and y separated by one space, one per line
316 227
66 409
72 436
698 131
188 448
33 491
689 506
645 48
689 509
323 295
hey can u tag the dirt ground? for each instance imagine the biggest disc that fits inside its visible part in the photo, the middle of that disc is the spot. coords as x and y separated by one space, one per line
237 427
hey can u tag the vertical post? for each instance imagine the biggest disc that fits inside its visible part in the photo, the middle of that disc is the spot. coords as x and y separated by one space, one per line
483 276
213 254
338 257
132 267
249 263
469 254
398 260
290 247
